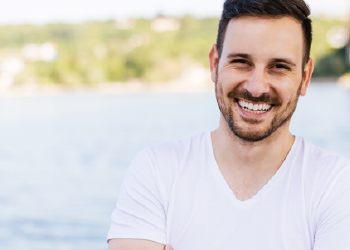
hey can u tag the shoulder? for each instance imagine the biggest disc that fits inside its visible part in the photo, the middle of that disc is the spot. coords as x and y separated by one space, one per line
173 150
323 163
165 162
179 150
170 158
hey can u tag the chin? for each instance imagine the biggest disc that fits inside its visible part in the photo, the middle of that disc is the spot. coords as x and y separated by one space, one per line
252 133
252 137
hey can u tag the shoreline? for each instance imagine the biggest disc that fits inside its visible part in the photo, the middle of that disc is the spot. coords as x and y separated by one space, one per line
117 88
133 87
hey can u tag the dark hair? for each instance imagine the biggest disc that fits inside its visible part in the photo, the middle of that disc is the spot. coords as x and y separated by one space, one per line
297 9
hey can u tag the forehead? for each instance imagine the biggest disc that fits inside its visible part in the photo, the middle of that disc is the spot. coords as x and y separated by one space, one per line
265 37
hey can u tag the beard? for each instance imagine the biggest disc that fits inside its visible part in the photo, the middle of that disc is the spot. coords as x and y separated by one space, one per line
281 117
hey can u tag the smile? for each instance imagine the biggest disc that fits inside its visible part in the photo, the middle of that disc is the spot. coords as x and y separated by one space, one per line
254 107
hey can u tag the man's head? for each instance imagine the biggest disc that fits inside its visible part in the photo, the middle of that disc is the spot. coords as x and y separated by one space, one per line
266 8
260 65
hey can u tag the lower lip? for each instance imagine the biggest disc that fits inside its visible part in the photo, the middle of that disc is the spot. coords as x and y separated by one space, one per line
251 115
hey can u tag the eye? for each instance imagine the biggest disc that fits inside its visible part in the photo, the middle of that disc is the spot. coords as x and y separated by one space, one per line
281 66
239 61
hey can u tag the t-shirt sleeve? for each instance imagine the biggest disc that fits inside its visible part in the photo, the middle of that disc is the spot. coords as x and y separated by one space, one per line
333 226
140 212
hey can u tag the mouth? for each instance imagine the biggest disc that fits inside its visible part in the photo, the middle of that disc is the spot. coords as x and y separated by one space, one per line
253 107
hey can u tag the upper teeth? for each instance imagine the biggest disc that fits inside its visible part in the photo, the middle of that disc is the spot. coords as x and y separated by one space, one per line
254 107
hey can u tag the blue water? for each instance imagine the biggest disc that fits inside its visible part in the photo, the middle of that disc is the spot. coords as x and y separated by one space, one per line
62 157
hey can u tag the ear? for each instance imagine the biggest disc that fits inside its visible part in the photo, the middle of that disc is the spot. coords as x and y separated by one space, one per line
214 61
308 69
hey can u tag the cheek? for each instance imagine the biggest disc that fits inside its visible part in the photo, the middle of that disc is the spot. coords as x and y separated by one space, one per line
287 88
229 79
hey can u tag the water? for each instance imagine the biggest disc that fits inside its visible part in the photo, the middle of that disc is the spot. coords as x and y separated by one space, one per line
62 158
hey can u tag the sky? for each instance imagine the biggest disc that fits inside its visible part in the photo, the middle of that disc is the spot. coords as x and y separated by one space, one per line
43 11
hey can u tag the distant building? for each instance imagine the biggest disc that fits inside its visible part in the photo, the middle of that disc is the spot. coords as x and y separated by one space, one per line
46 52
165 24
10 67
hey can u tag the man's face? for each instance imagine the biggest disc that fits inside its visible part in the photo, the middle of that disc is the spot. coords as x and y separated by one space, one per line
259 76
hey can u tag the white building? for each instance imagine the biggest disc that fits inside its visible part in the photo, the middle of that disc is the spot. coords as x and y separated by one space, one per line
164 24
46 52
10 67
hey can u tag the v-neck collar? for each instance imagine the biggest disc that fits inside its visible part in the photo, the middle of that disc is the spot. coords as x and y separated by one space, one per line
213 165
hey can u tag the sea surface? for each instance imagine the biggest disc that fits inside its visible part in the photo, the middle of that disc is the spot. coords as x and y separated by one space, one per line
62 157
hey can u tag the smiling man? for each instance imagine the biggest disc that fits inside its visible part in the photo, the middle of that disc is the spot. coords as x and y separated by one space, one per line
250 184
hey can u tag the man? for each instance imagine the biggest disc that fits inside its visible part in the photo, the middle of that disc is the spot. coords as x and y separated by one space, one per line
250 184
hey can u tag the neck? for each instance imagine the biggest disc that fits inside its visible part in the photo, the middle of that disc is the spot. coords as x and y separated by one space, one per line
234 153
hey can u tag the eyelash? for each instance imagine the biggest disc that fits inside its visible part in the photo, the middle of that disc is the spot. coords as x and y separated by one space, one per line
281 66
278 66
240 61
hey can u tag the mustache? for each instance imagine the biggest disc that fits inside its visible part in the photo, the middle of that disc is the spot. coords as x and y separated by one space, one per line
245 94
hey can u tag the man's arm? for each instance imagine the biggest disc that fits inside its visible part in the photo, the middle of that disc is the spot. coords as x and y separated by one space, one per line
132 244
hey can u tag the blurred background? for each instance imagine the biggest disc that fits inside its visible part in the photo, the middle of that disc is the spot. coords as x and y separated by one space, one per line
84 85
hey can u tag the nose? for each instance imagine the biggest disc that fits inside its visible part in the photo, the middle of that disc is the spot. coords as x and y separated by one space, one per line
257 82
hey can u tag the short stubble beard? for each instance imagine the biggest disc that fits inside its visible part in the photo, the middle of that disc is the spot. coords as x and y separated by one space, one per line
278 121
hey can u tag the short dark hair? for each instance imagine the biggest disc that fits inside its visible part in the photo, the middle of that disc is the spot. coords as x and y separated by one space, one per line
297 9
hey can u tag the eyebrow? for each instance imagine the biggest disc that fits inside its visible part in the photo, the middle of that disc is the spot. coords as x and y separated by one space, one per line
274 60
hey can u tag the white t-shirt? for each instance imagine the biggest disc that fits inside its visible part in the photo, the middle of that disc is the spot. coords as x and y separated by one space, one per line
176 194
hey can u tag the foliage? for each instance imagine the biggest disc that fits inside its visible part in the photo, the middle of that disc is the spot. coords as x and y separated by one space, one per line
332 64
116 51
329 62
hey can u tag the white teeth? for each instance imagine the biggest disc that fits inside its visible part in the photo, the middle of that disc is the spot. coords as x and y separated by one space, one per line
254 107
